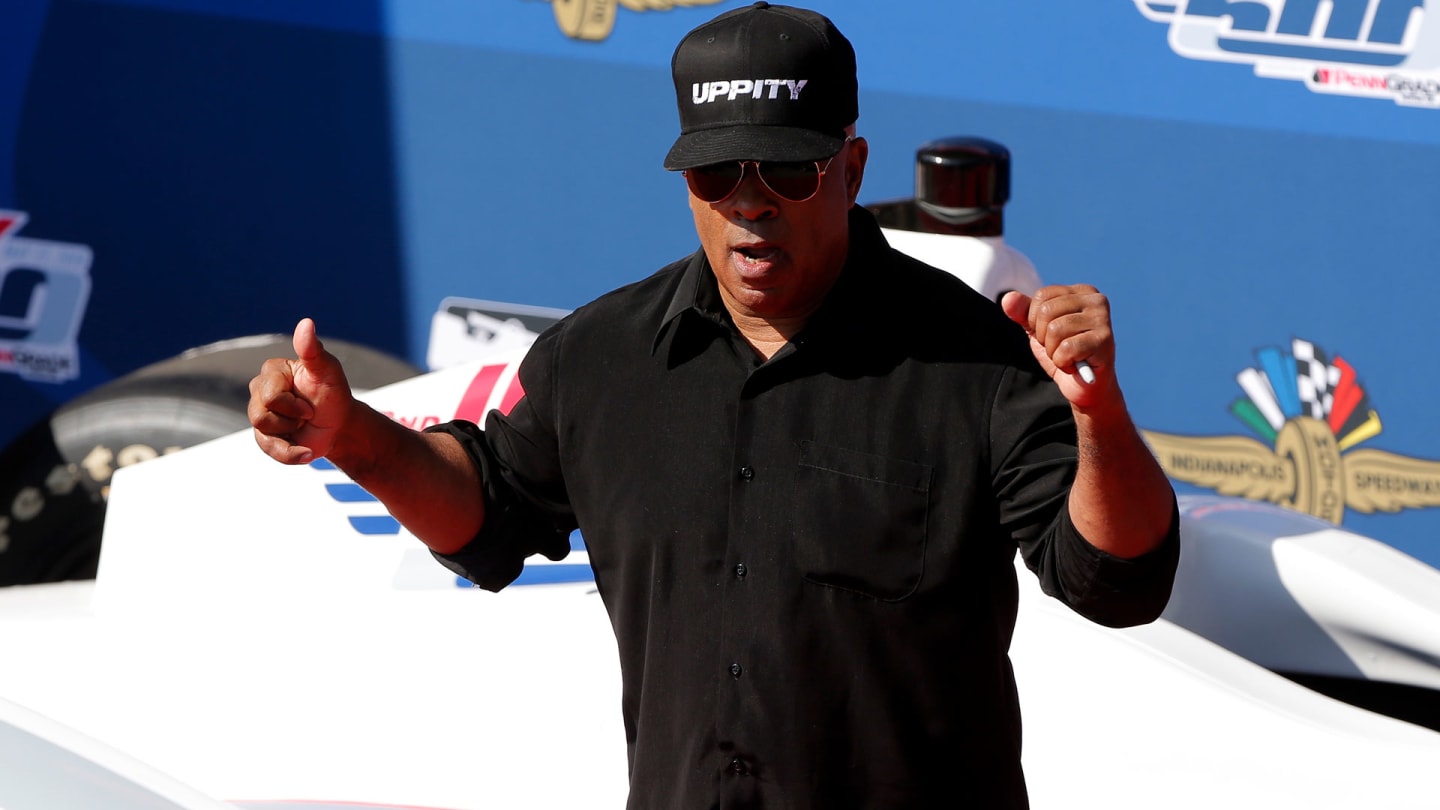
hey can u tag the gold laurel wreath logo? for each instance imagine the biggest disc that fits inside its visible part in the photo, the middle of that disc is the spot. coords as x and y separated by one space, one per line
1306 471
593 20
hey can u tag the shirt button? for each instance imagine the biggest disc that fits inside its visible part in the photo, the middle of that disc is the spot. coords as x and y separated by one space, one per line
740 570
735 670
737 767
747 472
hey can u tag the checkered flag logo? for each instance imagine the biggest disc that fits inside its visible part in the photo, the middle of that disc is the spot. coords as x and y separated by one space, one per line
1315 378
1307 382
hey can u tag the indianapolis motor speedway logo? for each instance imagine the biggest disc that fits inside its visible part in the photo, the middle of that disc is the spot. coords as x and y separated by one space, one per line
44 289
1311 412
1369 48
594 19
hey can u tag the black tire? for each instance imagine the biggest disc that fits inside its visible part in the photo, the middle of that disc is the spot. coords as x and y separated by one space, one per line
55 478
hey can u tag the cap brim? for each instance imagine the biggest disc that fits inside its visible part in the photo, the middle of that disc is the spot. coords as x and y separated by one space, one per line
723 144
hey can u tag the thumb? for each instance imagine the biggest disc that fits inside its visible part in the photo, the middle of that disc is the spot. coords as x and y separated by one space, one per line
314 365
1017 307
308 347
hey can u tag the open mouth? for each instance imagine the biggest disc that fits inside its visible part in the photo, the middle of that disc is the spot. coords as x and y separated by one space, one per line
758 253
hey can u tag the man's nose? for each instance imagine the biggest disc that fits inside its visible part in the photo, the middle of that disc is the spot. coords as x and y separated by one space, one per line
753 200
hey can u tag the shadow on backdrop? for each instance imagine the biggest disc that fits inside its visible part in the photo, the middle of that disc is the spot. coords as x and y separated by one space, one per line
230 175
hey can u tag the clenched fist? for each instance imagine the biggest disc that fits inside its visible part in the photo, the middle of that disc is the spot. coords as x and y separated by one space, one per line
299 407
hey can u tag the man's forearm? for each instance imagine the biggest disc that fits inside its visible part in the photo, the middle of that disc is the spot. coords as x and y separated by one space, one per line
1121 501
425 480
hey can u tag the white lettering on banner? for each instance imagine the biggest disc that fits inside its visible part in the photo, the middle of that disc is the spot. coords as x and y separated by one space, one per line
1369 48
706 92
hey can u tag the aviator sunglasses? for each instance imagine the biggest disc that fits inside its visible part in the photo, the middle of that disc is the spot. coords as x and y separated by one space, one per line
796 181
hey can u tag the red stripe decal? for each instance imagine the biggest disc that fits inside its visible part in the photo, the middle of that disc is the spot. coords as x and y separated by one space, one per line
472 405
512 395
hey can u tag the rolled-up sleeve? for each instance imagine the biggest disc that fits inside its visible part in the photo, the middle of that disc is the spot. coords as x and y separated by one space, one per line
1034 460
1113 591
526 507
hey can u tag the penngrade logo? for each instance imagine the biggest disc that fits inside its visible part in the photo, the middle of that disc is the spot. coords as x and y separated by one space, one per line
1311 412
1387 49
593 20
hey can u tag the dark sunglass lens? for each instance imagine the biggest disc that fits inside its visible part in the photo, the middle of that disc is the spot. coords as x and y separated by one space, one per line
714 183
794 181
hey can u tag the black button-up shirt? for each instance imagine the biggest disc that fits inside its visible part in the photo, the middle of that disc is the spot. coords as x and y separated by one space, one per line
808 561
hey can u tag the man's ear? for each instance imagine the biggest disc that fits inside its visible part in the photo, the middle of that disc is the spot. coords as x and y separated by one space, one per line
855 158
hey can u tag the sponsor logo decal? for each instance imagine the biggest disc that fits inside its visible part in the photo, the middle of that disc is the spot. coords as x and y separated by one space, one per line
465 330
44 288
593 20
1311 412
1369 48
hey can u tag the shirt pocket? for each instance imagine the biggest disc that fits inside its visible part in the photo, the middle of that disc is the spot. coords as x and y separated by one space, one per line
860 521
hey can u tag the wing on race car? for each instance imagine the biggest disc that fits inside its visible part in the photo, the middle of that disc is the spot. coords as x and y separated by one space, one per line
256 630
262 632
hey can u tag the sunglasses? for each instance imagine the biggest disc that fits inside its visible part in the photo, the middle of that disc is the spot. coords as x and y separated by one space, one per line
796 181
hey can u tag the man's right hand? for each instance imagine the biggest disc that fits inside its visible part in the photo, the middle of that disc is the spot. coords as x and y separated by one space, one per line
299 407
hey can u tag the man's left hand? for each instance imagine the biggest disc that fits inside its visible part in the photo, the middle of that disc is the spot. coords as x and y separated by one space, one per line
1069 324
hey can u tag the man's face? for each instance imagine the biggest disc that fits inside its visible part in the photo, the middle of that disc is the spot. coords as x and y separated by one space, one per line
773 258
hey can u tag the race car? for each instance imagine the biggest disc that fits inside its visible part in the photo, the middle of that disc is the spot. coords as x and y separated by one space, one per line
267 632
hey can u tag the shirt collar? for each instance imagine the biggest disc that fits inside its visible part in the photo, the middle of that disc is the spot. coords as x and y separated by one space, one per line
696 302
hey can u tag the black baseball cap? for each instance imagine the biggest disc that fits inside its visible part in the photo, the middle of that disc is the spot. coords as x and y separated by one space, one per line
763 83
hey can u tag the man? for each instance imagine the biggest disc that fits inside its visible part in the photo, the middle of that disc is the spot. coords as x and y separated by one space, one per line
802 463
